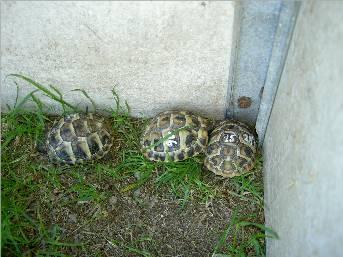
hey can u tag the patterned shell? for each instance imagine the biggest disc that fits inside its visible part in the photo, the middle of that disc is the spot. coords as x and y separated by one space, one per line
231 150
77 138
175 136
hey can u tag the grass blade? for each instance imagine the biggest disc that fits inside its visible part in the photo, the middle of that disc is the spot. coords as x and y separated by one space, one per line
87 96
42 88
225 235
270 232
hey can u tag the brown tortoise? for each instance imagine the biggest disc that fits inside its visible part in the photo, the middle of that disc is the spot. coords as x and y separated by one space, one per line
175 136
231 150
77 138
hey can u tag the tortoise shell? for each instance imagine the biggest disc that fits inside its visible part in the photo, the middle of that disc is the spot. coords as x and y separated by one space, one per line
231 150
77 138
175 136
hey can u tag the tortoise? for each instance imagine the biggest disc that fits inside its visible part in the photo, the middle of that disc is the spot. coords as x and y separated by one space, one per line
231 150
175 136
76 138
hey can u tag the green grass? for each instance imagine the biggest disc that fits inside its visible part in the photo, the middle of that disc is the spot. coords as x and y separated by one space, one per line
247 184
26 180
244 237
84 191
53 93
21 123
185 179
23 231
181 177
237 241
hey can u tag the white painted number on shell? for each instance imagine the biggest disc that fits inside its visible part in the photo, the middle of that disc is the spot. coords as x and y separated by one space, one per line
229 138
171 142
249 139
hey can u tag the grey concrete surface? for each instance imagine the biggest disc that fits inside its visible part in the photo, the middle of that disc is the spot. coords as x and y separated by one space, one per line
161 55
304 141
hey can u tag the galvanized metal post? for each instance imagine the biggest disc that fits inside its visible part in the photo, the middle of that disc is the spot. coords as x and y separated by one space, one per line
262 33
255 27
288 14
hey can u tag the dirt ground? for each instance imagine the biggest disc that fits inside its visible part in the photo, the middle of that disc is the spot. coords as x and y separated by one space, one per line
151 220
164 227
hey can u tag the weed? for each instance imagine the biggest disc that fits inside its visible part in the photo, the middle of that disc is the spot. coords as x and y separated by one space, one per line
237 241
185 179
54 93
84 191
23 229
88 97
135 164
249 184
21 123
129 129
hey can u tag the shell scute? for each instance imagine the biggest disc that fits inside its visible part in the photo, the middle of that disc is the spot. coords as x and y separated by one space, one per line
180 134
231 150
76 138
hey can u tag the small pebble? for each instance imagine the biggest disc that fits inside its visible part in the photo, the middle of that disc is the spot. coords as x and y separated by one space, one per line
113 200
152 202
137 193
72 218
137 175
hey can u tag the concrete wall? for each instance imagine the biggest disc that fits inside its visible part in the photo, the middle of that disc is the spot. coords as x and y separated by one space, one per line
304 141
161 55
